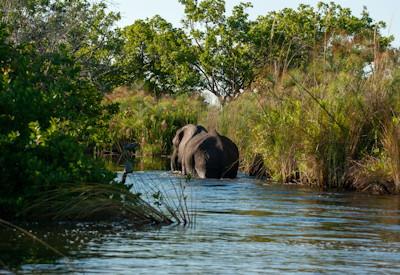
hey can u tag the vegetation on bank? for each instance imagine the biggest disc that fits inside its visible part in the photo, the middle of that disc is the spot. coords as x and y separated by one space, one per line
331 125
46 127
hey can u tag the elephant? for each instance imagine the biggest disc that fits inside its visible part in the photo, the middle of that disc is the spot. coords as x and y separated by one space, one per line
211 155
183 135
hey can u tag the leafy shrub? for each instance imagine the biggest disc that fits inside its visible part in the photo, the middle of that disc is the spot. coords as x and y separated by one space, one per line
50 116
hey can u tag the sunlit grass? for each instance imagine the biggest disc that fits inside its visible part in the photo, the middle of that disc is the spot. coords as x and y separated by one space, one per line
327 125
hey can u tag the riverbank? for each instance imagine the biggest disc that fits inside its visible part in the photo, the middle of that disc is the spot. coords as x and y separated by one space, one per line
332 125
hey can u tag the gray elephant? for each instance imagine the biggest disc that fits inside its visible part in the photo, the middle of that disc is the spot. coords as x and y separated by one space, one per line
210 155
183 135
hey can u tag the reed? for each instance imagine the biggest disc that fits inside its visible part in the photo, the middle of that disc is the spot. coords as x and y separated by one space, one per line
371 175
168 195
8 224
26 233
95 202
324 125
391 144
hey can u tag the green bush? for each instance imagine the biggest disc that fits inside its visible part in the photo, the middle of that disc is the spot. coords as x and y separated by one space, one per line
50 116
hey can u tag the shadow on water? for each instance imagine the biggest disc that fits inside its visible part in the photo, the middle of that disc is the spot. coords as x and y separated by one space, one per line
242 226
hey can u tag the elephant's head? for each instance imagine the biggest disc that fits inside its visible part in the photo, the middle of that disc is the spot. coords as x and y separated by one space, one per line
182 136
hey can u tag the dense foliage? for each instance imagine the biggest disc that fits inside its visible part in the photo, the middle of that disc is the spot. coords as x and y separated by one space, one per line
158 55
85 29
224 54
51 114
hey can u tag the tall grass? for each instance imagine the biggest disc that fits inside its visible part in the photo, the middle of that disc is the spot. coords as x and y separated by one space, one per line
322 125
391 143
381 174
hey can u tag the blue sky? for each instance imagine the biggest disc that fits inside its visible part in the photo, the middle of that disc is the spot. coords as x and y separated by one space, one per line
171 10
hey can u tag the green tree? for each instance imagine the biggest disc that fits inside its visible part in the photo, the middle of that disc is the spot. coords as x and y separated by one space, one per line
84 29
160 55
291 38
222 45
212 52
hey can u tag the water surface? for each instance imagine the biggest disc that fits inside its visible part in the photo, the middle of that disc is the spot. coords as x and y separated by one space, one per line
242 226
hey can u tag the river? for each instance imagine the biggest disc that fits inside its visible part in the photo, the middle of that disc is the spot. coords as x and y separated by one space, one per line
240 226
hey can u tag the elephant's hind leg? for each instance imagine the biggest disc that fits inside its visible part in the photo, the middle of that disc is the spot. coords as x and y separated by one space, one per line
188 165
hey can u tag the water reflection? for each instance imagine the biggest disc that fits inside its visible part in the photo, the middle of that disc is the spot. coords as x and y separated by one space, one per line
241 227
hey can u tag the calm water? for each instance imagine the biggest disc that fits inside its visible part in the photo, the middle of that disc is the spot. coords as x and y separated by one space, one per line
242 227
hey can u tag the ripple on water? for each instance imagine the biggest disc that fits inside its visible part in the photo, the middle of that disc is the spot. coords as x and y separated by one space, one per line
241 227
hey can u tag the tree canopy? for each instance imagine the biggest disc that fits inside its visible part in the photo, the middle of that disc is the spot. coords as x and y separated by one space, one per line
83 28
159 55
223 53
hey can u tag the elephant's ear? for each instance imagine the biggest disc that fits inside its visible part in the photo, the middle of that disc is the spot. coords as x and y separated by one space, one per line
178 137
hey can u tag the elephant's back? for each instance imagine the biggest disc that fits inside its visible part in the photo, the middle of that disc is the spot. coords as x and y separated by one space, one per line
230 147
